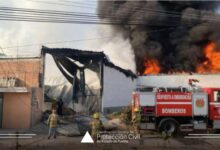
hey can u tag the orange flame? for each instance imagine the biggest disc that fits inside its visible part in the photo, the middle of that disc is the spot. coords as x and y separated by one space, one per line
211 65
151 67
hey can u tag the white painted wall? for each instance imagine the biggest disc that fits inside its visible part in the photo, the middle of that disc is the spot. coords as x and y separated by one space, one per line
211 80
117 88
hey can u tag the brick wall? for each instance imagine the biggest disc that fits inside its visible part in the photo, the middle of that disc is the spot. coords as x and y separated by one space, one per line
21 110
26 71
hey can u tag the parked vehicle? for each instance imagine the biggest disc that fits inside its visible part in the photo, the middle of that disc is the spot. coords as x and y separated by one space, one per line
176 109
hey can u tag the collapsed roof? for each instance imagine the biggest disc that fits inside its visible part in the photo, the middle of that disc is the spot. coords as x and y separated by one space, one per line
66 60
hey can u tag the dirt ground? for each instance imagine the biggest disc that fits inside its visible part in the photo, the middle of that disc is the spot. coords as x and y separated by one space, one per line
40 142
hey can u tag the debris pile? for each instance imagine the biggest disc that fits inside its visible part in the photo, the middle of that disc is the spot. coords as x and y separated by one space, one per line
78 124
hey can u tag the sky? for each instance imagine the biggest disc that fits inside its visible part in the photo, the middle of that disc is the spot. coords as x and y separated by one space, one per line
16 34
21 33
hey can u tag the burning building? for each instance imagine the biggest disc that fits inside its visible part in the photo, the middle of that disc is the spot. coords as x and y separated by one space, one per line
172 41
168 36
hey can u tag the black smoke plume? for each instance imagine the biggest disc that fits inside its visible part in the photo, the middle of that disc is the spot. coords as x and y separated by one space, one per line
172 32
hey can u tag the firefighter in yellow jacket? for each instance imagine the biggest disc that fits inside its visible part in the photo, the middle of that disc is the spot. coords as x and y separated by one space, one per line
52 122
136 120
96 125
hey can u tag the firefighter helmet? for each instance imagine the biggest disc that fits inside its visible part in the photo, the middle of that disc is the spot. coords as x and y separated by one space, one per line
136 110
96 115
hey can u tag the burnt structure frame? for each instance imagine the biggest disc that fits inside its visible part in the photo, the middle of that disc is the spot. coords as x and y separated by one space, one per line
65 60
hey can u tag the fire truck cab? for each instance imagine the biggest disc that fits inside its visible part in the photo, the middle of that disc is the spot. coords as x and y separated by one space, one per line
177 109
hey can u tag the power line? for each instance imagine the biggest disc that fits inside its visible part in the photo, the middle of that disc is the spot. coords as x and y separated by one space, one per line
141 9
79 40
77 21
57 42
68 13
55 3
52 16
36 15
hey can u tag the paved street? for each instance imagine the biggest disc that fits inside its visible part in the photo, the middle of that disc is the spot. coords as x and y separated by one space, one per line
61 142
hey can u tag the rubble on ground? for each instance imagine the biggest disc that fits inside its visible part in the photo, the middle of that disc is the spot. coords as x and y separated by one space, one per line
69 130
83 122
115 124
78 124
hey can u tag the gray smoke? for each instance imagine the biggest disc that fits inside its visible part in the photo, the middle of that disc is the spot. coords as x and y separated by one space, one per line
172 32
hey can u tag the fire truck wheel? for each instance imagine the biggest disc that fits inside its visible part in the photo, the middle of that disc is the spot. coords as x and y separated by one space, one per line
169 126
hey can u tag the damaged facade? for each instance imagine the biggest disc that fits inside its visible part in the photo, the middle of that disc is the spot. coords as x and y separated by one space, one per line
21 92
115 84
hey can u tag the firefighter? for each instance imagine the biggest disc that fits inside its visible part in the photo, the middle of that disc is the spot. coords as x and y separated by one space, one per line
96 125
136 120
52 122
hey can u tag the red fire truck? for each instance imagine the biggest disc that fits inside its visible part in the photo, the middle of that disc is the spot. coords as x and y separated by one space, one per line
178 109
